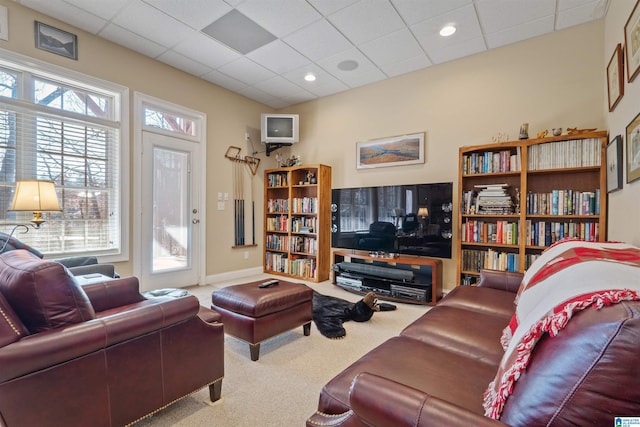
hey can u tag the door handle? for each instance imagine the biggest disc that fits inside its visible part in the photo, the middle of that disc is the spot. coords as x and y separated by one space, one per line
195 221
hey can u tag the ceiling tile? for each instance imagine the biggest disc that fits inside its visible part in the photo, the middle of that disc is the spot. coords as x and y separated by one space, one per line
280 17
575 12
325 83
365 73
195 13
278 57
367 20
391 48
205 50
519 33
133 41
68 13
414 11
183 63
152 24
457 51
282 88
427 32
498 15
318 40
327 7
265 98
246 71
407 66
104 9
223 80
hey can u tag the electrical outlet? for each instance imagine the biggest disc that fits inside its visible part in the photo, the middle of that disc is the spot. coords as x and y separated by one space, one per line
246 254
247 137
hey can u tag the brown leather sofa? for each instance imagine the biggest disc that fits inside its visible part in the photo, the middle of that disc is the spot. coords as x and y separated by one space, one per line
436 371
97 355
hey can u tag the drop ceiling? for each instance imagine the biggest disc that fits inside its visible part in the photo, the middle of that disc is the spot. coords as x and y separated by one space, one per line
382 38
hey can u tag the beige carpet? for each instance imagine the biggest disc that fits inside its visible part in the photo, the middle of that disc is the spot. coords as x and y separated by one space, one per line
282 387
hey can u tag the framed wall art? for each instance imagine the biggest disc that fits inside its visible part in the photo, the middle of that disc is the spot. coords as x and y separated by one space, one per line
56 41
632 43
633 149
614 164
615 78
393 151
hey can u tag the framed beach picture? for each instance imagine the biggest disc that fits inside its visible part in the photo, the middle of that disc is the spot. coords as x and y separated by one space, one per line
614 164
633 149
56 41
632 43
393 151
615 78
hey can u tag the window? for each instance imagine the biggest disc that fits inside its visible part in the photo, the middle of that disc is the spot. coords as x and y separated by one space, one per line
67 130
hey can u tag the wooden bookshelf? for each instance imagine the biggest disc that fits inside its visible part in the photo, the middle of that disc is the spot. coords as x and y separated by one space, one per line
556 187
297 222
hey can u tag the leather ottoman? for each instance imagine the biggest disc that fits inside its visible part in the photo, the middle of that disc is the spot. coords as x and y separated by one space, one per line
255 314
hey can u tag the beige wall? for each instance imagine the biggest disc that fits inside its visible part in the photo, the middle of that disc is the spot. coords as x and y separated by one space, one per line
550 81
624 205
228 115
554 80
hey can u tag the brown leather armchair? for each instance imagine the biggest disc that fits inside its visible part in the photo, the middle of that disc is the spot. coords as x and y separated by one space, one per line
99 355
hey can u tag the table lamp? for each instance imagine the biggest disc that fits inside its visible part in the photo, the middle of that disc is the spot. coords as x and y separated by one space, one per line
35 196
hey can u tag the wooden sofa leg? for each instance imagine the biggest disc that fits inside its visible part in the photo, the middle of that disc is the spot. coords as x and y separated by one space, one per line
215 390
306 328
254 349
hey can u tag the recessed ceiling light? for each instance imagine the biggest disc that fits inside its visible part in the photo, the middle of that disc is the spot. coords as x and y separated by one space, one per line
447 30
310 77
348 65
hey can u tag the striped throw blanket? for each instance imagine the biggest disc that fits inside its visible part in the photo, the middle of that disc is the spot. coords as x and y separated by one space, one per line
569 276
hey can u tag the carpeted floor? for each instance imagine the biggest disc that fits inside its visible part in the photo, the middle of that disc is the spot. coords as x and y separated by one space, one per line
281 389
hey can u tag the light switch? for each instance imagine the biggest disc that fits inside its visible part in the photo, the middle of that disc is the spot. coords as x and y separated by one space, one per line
219 196
226 196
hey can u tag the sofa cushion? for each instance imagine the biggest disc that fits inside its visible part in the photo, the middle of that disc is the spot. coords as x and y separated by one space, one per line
480 299
471 333
42 293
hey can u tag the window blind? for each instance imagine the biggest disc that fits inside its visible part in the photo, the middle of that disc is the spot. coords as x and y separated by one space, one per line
64 134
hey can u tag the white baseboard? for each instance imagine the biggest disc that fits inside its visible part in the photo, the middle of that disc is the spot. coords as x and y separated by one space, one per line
232 275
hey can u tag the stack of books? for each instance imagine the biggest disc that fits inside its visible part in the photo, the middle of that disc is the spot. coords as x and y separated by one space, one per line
493 199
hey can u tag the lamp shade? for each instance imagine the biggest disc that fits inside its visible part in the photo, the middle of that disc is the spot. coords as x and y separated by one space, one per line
35 196
423 212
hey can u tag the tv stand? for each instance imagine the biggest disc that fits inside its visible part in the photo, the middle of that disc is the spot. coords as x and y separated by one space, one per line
425 288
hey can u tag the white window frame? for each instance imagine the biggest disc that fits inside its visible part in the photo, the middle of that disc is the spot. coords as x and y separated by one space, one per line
121 114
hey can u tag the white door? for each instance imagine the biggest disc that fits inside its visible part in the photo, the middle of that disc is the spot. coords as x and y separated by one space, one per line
170 214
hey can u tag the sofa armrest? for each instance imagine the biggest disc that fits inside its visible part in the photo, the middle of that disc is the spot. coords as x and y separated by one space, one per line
113 293
45 349
108 270
502 280
382 402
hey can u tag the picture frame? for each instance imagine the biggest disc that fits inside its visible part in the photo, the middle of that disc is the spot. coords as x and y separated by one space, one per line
632 43
633 149
393 151
56 41
615 78
614 164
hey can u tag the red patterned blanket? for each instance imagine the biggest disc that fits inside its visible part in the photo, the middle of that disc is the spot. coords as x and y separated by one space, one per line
568 277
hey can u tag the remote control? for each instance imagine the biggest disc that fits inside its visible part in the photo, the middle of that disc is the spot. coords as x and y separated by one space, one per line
268 283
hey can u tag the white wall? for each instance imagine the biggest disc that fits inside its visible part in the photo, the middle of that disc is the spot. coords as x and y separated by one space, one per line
624 205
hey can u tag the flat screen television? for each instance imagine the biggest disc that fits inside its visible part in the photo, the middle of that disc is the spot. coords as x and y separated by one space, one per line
279 129
414 219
